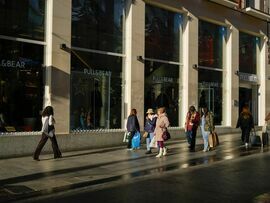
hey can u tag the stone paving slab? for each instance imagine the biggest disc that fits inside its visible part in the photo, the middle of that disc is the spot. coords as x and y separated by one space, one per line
22 177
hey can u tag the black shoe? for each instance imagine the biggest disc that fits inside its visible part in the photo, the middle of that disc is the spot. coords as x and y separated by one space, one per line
148 152
192 150
36 159
58 157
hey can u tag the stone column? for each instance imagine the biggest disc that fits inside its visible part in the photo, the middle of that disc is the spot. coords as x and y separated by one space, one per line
189 75
262 75
232 107
267 82
134 68
57 61
230 78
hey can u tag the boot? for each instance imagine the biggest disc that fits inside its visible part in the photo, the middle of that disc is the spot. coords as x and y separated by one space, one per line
160 153
164 151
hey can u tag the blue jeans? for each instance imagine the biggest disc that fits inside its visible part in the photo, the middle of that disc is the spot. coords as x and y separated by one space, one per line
148 140
189 136
205 135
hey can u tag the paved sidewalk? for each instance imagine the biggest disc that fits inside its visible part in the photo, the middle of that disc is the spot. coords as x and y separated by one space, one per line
23 177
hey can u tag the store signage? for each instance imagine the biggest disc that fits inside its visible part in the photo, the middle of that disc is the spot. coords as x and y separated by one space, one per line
248 77
209 84
95 72
162 79
12 64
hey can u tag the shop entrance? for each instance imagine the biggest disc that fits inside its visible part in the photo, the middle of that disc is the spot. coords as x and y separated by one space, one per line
248 95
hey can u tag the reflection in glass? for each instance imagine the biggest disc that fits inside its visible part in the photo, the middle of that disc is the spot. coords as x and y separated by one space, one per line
95 91
247 53
210 92
98 24
161 88
21 85
22 18
210 44
162 32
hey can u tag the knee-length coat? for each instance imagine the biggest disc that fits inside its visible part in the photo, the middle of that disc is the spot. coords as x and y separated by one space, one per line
161 125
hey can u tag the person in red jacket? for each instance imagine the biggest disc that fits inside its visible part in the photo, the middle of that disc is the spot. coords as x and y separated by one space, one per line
191 126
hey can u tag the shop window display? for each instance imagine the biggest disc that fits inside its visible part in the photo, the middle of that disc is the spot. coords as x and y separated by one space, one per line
161 88
210 44
210 93
162 42
162 34
22 18
96 84
21 86
98 24
247 53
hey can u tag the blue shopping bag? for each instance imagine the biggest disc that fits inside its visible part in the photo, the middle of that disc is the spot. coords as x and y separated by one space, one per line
136 140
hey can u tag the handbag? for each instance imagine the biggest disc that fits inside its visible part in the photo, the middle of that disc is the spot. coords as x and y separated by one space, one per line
255 140
166 135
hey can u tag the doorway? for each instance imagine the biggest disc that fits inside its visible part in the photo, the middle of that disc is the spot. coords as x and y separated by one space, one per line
249 96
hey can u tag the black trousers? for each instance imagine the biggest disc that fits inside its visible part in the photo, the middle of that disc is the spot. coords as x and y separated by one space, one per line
193 139
245 135
41 144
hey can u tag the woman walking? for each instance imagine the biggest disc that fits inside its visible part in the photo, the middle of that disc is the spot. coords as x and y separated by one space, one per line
246 123
191 126
150 124
48 131
161 126
132 127
207 126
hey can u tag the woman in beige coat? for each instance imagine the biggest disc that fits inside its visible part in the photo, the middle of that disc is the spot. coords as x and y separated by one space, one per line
161 126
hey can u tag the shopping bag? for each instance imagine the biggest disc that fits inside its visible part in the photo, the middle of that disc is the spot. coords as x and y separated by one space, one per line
255 140
136 140
213 140
126 136
265 138
153 143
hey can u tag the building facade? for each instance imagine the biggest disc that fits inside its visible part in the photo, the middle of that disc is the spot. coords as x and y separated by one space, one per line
95 60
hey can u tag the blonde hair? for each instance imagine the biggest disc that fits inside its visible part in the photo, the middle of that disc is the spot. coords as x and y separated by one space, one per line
162 109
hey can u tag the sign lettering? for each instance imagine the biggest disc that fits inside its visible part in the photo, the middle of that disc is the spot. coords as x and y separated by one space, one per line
94 72
12 64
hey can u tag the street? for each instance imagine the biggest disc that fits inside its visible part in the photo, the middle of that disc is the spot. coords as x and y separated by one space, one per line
230 173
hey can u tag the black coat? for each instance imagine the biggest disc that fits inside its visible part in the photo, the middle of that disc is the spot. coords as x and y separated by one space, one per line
245 121
133 124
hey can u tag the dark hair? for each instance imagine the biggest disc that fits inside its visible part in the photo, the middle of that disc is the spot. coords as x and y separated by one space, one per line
192 108
48 111
133 112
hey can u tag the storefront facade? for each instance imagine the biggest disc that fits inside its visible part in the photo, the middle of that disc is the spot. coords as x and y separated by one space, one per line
95 60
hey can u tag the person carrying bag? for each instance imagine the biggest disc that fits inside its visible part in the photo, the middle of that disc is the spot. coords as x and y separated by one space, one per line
48 131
